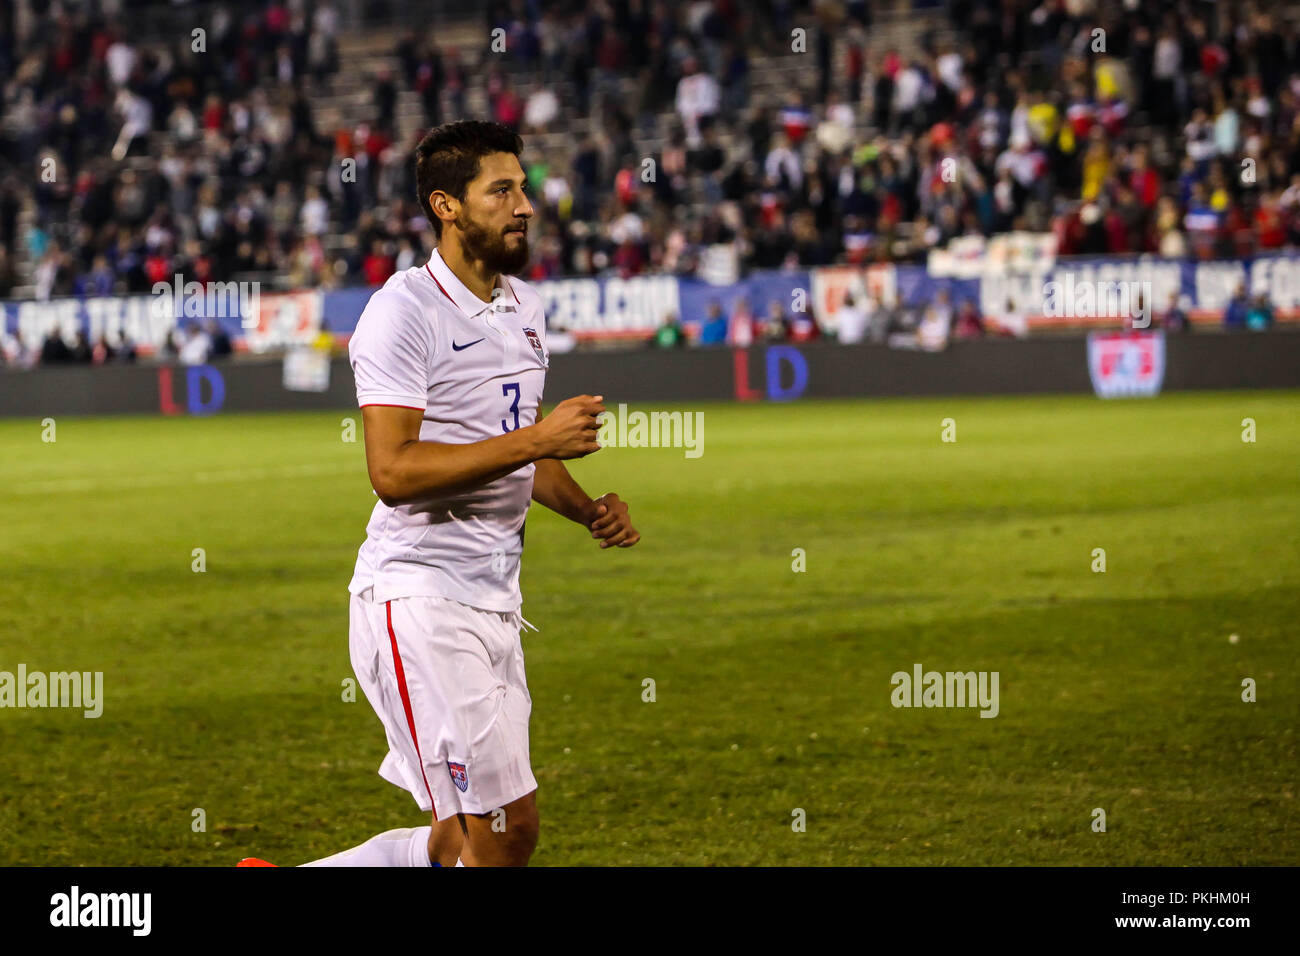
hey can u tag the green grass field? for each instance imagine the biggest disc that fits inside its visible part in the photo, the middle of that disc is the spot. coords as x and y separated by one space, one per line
1118 690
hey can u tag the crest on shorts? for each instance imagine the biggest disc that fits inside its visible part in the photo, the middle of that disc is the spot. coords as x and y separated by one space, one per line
458 775
535 341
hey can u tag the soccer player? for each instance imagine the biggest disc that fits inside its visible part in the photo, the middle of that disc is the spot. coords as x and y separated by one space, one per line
450 359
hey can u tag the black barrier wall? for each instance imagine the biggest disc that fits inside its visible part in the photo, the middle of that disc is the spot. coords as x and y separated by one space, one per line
761 373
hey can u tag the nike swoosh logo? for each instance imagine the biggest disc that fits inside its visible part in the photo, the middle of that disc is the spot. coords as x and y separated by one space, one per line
458 348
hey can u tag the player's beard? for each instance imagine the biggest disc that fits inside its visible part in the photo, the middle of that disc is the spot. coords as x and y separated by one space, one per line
493 249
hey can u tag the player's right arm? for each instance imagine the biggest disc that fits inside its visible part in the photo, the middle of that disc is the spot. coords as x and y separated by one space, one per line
403 468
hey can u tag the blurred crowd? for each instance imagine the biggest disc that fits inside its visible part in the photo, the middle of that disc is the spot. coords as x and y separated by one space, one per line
928 325
192 343
861 318
653 131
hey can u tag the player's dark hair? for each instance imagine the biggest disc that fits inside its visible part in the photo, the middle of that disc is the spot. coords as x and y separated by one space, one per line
449 157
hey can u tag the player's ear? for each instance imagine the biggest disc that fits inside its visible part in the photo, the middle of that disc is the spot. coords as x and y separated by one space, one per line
446 207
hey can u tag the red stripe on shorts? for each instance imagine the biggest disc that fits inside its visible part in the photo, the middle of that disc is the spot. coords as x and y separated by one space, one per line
406 700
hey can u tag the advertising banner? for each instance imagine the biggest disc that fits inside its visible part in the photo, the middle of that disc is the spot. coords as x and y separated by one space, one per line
1031 292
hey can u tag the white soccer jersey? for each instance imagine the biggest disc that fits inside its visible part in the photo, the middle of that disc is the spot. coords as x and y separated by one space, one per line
476 369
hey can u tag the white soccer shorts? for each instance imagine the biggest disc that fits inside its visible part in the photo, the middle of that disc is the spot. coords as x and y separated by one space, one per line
447 681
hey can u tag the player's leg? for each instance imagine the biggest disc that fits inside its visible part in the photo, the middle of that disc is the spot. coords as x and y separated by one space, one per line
368 644
404 847
507 834
446 839
502 838
438 844
485 773
447 682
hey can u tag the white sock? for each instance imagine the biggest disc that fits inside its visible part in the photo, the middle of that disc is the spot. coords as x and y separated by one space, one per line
459 862
409 847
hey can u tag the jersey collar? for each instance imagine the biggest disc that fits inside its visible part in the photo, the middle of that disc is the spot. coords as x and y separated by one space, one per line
458 292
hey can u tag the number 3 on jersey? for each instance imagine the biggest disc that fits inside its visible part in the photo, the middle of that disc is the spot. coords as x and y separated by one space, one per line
506 389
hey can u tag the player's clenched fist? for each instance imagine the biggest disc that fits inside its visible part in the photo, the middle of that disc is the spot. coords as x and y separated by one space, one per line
610 522
569 431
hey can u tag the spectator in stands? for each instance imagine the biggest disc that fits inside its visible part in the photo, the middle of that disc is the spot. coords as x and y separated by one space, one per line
851 320
1013 320
776 327
385 96
125 352
936 323
969 323
507 105
102 352
81 354
1202 222
541 110
698 98
1270 230
735 81
1234 318
378 264
1170 241
220 339
196 346
713 330
171 348
1259 317
97 282
315 213
55 351
586 170
796 119
741 330
14 354
322 47
1175 317
803 327
782 167
137 121
913 91
669 335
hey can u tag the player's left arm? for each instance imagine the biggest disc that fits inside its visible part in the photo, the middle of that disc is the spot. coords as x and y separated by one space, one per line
605 517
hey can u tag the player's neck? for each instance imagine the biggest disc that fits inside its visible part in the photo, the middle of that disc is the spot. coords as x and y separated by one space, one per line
472 273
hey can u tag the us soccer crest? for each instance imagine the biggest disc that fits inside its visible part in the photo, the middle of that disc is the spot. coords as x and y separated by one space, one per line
535 341
458 775
1126 364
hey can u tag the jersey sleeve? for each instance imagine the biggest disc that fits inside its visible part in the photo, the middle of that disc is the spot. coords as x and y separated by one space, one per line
389 353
